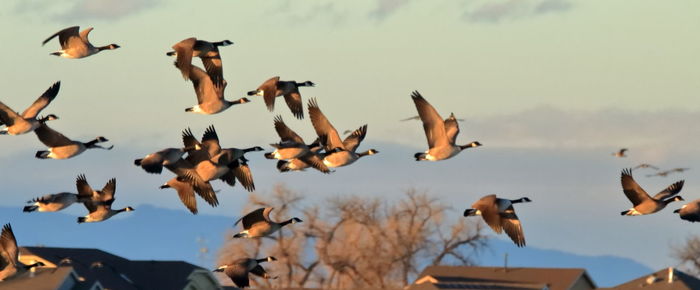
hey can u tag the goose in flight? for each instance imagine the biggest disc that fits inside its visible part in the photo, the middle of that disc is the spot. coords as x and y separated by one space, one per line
210 98
690 211
500 215
59 201
441 135
238 270
60 147
75 44
620 153
100 205
10 266
212 162
641 201
17 124
273 88
207 51
258 224
337 153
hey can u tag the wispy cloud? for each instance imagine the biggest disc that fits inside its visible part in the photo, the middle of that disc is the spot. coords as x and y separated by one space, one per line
104 9
548 6
75 11
385 8
495 12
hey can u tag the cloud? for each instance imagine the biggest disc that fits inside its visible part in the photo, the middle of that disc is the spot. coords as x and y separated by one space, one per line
74 11
104 9
548 6
498 11
495 12
387 7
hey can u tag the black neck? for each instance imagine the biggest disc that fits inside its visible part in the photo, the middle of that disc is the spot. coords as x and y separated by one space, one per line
518 200
284 223
261 260
670 200
101 48
91 143
249 149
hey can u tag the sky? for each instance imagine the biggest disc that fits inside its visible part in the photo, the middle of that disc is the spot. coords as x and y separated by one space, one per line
550 87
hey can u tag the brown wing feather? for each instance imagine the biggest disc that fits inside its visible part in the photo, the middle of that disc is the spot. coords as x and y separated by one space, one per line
451 129
355 138
285 133
433 125
294 103
488 207
324 128
512 226
632 190
64 35
8 242
8 116
44 100
50 137
269 88
184 50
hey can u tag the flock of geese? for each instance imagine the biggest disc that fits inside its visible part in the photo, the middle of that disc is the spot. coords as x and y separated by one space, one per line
197 162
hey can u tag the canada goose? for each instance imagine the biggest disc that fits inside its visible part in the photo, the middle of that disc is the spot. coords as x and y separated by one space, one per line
645 165
274 88
100 205
291 145
641 201
500 215
344 150
208 52
210 99
60 147
690 211
441 135
239 269
185 191
417 117
154 162
257 224
212 162
10 265
16 124
313 158
75 44
668 172
620 153
54 202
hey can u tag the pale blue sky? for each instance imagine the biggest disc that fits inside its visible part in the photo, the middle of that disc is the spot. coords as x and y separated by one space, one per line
550 87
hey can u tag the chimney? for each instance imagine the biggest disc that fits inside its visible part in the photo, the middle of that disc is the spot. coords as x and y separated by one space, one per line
505 263
670 275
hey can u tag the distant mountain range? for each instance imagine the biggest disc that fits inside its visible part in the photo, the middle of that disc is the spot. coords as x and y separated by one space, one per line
152 233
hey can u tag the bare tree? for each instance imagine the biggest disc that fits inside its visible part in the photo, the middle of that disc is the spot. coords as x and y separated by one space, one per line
354 242
688 255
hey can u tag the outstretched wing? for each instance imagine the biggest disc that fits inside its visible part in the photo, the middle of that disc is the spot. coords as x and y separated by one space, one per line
64 35
324 129
512 226
269 88
286 134
50 137
632 190
433 125
44 100
252 218
451 128
353 141
8 117
293 100
670 191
